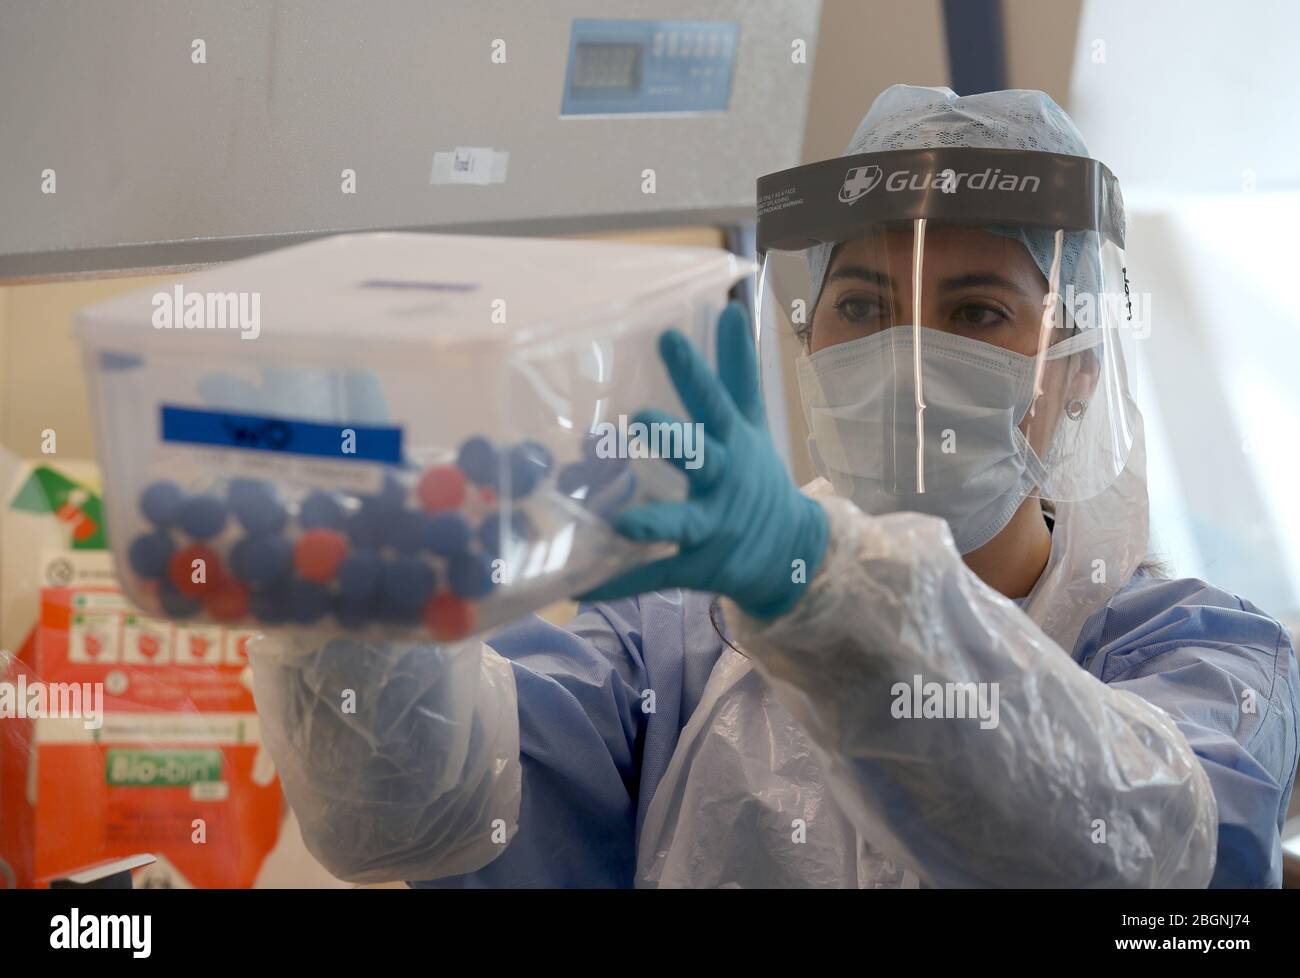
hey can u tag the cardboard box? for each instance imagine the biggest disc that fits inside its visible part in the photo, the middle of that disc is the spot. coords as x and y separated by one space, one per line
162 757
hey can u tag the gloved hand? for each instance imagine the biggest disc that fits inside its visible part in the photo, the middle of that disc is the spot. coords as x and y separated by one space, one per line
744 527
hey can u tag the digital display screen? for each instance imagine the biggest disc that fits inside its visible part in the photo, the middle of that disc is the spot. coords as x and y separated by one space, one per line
643 67
606 68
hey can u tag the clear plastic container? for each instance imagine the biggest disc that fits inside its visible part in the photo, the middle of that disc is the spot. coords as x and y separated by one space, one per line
416 436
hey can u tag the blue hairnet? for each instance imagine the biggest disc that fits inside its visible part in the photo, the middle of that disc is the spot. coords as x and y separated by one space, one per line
915 117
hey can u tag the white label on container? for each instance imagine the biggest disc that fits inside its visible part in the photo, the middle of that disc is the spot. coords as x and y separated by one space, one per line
297 470
470 165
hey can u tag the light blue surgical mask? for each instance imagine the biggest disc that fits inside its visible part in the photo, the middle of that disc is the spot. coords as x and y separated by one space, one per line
967 461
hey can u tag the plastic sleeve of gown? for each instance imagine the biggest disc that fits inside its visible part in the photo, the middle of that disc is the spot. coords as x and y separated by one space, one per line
1072 784
401 761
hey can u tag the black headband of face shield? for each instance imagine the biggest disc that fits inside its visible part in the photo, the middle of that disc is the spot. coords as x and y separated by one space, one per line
840 199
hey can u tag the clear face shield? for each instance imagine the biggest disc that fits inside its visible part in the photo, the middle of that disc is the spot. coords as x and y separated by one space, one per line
962 316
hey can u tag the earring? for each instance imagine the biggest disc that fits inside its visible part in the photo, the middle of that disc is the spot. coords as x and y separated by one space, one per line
1074 410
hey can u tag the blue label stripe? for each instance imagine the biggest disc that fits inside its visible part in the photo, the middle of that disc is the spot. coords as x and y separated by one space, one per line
284 435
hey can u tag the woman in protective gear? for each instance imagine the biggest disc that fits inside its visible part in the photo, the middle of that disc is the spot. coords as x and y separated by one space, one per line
945 662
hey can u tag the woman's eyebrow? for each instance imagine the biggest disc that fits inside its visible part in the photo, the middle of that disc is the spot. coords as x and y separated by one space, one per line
980 278
863 274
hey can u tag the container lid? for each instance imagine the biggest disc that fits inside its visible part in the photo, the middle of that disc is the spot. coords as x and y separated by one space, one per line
387 292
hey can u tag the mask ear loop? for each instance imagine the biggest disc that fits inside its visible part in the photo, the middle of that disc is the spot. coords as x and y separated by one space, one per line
918 253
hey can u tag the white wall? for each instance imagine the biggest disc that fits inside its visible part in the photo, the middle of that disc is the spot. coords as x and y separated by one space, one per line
1192 105
1191 95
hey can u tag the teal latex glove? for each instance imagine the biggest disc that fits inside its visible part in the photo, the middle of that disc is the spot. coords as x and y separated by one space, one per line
744 525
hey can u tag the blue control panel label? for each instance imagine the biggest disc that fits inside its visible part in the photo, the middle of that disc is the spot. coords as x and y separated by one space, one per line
638 66
361 443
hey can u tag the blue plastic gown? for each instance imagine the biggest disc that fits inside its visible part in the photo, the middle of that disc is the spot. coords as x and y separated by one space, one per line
592 757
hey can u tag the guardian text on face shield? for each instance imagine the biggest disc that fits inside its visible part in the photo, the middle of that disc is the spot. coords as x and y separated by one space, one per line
861 180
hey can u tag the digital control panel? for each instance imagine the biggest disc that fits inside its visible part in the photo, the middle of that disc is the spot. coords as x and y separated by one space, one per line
639 66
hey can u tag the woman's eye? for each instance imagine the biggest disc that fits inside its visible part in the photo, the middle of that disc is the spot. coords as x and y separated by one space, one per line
859 310
979 314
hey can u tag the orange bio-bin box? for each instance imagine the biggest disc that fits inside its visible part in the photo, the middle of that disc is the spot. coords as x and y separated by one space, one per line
162 758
